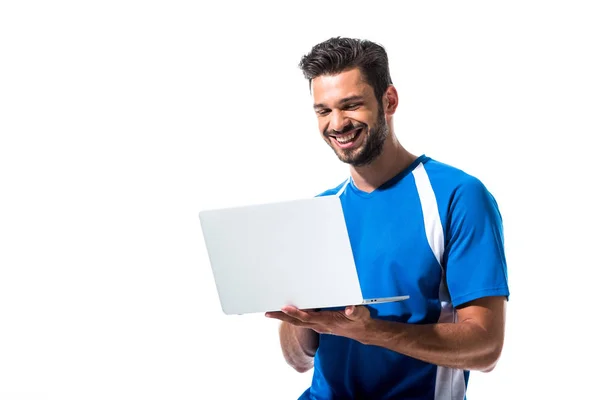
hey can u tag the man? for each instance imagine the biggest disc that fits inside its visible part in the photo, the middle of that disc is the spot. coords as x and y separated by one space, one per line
417 227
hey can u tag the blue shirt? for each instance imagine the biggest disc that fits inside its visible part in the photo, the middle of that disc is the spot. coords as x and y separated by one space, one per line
432 232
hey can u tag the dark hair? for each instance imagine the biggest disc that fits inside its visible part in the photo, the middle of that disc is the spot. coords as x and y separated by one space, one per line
338 54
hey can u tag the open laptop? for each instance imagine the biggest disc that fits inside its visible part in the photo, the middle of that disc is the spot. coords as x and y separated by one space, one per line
267 256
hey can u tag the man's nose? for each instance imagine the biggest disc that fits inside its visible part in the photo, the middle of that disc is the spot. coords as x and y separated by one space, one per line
338 121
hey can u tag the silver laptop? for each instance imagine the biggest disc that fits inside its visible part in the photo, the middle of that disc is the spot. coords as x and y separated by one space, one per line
267 256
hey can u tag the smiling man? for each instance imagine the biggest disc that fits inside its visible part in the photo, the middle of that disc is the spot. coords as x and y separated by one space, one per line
417 227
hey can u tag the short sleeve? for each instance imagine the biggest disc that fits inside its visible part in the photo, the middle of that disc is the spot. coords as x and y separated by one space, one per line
474 257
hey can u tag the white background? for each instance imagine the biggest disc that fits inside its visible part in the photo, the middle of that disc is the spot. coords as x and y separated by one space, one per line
120 120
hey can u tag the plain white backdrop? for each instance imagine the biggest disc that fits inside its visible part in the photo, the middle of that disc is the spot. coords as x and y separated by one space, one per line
121 120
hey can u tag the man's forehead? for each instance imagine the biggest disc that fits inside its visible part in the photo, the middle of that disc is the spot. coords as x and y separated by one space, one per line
334 87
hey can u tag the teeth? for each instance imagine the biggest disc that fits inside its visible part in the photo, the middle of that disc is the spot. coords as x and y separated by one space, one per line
347 139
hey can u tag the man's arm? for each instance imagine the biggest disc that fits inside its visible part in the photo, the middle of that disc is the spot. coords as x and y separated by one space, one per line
474 342
298 345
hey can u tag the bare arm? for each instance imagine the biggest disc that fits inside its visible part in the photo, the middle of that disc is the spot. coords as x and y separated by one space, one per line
474 342
299 346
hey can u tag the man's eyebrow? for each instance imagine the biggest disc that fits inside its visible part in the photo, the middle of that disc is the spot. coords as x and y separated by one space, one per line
342 101
351 98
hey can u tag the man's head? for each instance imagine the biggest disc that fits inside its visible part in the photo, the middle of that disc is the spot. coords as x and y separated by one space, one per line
353 96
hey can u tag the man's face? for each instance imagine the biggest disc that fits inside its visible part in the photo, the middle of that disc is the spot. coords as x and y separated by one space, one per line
350 119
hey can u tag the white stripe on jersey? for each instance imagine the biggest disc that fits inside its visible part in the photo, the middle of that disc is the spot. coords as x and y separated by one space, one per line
449 382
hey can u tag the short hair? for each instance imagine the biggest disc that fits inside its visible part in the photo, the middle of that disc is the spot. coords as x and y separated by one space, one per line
338 54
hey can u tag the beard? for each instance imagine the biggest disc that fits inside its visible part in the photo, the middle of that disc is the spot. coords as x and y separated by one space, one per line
372 145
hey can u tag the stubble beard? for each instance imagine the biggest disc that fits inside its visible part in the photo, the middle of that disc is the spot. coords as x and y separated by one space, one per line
370 149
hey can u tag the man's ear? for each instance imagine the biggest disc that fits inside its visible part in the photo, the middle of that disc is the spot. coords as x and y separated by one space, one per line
390 100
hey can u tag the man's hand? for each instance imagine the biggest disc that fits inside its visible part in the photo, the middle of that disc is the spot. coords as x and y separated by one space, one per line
350 322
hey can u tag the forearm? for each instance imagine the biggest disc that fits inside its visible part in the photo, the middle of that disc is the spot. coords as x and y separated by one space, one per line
298 345
462 345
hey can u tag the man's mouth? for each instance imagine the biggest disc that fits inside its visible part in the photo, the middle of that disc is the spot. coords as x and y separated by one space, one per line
347 139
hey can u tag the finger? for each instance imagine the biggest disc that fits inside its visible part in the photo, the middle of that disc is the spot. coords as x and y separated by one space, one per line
304 316
273 314
356 312
286 318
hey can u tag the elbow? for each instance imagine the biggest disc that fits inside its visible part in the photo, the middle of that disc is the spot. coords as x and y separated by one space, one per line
488 368
490 360
297 352
302 368
299 366
299 361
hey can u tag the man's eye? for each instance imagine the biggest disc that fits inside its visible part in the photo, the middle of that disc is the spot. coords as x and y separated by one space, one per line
323 112
352 106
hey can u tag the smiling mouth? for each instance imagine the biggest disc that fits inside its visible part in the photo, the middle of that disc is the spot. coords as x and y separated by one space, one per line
348 138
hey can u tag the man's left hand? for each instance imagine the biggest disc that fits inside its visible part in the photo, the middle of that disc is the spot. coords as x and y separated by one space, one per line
351 322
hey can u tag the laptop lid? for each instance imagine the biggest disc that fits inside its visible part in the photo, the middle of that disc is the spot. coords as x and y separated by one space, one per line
288 253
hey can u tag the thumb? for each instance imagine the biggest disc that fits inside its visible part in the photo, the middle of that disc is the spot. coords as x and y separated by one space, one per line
352 312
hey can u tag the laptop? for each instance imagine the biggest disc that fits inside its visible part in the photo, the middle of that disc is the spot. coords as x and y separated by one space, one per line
297 253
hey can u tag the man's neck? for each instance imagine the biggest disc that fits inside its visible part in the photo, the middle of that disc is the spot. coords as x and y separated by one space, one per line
392 160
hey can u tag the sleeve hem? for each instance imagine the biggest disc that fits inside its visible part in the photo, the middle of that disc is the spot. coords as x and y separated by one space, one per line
500 291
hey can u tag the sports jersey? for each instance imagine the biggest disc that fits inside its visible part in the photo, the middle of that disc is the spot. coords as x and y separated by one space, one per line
432 232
